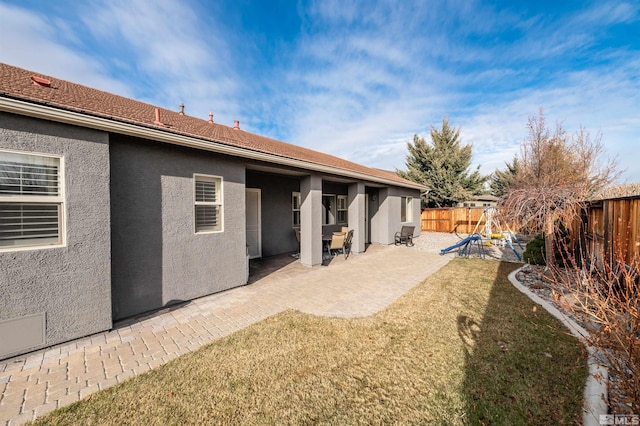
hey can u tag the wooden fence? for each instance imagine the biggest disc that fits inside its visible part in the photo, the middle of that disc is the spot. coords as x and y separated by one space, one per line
613 226
609 226
462 220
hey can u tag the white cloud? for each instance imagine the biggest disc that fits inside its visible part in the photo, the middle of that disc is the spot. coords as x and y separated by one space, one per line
605 101
163 36
360 79
175 55
34 41
342 111
607 13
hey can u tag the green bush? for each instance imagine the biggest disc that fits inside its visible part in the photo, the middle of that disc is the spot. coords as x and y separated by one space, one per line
534 254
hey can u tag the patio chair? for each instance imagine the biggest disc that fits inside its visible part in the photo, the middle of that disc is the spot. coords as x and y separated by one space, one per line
337 243
405 236
347 244
297 231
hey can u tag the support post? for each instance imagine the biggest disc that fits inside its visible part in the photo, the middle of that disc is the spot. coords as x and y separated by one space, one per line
356 216
311 220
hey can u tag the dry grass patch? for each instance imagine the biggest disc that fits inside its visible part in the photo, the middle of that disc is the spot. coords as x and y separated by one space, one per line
464 347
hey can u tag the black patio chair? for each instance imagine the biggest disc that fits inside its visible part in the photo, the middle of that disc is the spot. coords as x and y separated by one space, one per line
347 244
405 236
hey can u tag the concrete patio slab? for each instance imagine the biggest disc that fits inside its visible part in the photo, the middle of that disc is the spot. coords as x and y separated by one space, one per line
34 384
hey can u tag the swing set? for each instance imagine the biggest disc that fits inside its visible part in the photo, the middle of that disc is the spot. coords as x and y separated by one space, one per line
494 233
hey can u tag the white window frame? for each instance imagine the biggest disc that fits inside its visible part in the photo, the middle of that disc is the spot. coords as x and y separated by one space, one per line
296 196
407 203
217 203
326 220
58 200
342 206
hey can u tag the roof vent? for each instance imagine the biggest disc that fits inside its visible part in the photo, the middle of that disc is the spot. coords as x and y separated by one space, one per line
181 108
39 81
157 120
236 124
211 117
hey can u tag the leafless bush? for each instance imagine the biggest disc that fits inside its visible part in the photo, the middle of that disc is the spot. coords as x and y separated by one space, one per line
557 173
606 298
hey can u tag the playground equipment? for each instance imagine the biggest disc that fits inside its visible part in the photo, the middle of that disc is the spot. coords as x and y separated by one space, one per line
494 233
466 244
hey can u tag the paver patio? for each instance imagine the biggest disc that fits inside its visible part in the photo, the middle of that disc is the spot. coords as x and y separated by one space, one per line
34 384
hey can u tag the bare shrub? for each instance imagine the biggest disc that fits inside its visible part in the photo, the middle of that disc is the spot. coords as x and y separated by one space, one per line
605 298
556 175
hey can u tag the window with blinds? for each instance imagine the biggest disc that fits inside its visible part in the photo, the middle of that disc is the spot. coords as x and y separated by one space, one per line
208 203
31 200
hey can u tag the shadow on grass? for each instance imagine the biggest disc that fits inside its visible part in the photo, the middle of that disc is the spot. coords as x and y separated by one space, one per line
522 367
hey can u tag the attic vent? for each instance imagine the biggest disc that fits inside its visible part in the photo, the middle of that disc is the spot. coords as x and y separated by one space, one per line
210 117
236 124
39 81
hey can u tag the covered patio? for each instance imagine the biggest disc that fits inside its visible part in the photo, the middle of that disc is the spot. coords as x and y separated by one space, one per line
291 209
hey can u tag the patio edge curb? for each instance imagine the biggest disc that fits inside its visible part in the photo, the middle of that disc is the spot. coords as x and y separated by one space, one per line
595 391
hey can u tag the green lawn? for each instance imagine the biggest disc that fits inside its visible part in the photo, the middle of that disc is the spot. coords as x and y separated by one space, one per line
463 347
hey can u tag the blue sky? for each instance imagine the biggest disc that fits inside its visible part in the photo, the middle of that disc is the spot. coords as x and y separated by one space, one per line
354 79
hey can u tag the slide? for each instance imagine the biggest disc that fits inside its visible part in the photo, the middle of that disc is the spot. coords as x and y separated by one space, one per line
463 242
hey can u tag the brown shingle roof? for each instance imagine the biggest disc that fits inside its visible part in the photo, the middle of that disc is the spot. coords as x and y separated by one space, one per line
16 83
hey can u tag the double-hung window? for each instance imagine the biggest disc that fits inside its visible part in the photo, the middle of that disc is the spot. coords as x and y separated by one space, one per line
406 209
208 203
31 200
342 209
296 201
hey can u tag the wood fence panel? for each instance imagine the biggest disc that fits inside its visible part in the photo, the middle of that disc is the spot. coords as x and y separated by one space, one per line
463 220
623 226
615 226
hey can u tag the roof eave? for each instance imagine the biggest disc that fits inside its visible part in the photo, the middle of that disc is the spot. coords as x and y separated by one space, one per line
45 112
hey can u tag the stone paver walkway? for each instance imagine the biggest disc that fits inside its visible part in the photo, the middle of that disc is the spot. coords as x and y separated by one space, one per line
362 285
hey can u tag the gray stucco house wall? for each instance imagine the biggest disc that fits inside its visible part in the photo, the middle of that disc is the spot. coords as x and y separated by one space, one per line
385 213
158 259
123 175
396 194
130 245
67 288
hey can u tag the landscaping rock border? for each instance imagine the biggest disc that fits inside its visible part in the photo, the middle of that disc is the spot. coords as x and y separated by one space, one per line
595 392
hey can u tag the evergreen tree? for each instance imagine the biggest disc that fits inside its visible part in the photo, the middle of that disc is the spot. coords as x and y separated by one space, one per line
502 179
443 166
